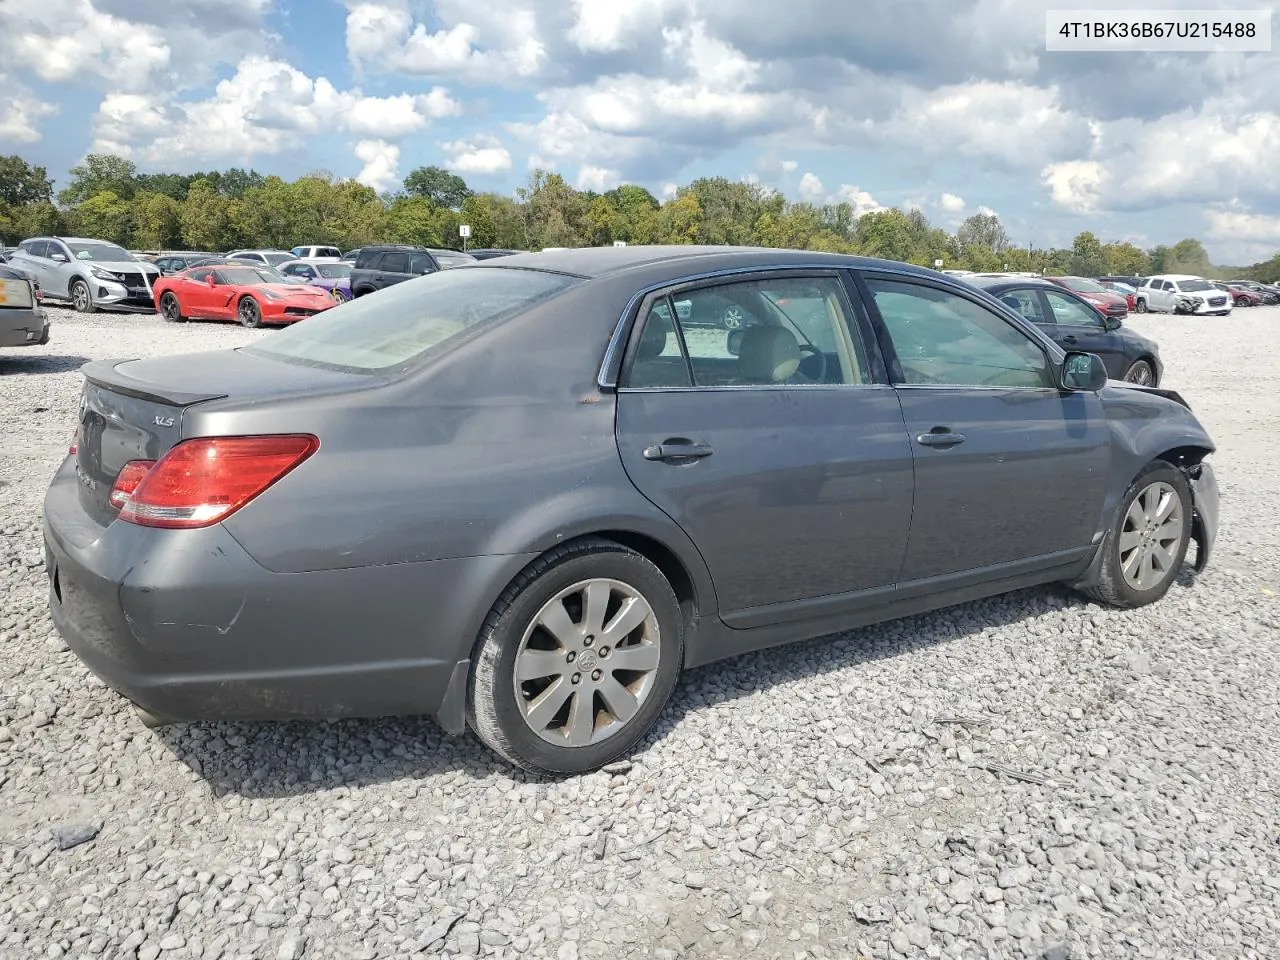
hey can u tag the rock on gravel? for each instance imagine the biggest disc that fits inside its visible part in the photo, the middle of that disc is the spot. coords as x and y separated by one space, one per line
831 799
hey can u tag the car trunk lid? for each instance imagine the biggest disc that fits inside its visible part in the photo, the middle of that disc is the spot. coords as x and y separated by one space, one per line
133 409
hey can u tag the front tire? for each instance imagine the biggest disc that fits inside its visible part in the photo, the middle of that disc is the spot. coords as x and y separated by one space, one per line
1141 373
170 309
81 297
1147 543
249 313
576 660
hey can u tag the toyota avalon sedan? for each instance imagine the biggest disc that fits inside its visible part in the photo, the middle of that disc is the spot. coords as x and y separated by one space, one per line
521 496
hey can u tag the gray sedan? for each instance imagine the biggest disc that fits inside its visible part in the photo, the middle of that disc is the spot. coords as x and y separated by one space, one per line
521 495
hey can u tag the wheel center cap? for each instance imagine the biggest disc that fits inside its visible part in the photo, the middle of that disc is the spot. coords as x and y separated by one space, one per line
587 660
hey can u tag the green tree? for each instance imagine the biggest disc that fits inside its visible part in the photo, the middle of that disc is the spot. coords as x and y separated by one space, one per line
172 185
442 188
22 184
205 218
157 221
477 213
681 219
1087 256
100 173
1124 259
886 234
103 216
1189 256
413 220
983 230
553 211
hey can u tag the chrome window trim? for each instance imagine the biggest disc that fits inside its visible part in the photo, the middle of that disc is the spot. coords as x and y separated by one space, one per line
607 377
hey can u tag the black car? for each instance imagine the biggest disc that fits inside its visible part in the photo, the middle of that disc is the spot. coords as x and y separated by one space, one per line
171 263
385 264
520 495
1075 324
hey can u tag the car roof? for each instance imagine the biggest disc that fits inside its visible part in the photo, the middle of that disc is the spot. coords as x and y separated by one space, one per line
1174 276
593 262
1008 281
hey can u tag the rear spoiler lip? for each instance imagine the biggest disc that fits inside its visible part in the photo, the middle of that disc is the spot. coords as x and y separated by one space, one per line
103 373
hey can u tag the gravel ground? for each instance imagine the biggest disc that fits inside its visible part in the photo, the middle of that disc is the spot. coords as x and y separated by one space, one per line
1031 776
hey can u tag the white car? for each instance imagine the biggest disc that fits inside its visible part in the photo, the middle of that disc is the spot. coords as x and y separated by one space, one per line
1181 293
317 253
272 258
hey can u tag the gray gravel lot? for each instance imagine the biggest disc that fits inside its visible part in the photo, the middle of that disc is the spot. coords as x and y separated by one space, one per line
1031 776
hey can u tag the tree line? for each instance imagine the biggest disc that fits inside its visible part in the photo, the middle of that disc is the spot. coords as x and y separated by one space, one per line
216 210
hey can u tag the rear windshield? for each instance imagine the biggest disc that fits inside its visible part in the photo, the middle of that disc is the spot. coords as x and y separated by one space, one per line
1082 285
400 323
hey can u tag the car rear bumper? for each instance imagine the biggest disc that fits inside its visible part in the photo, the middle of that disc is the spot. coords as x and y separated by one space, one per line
23 328
188 626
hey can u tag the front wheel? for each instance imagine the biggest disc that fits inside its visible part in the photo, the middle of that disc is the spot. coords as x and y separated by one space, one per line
576 660
1147 543
248 313
1141 306
81 298
170 309
1141 373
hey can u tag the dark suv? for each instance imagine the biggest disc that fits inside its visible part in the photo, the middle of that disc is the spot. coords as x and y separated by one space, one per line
385 264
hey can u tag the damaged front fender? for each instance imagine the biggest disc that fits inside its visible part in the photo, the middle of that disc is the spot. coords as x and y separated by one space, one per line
1204 522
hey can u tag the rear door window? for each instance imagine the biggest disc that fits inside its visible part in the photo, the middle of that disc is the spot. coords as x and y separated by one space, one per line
397 262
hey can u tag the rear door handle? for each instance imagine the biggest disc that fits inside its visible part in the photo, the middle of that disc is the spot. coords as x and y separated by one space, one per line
940 438
677 448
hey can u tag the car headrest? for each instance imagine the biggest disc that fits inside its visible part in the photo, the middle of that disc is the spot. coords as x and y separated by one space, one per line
768 355
653 339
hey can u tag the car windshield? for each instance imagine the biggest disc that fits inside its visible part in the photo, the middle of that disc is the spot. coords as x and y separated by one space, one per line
1083 286
402 322
247 276
333 271
102 252
447 261
1194 286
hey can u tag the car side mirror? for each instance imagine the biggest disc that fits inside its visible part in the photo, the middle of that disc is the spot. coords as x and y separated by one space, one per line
734 342
58 258
1083 372
1111 323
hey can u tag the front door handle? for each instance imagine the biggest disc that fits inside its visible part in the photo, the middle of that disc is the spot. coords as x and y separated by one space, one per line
940 437
677 448
1070 338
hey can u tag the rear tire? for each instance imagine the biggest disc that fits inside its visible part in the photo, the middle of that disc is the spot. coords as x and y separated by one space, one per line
576 675
1147 542
81 296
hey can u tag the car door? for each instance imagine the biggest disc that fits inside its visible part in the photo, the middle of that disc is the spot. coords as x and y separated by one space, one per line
1074 325
218 302
194 293
63 266
784 457
35 261
1162 295
1010 471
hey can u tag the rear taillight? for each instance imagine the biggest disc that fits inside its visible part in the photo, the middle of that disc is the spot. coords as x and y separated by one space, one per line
127 481
202 481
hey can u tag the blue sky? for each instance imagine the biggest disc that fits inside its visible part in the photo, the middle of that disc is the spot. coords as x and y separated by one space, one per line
950 105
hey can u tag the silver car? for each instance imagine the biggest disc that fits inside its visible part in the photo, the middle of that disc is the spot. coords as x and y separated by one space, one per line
91 274
22 321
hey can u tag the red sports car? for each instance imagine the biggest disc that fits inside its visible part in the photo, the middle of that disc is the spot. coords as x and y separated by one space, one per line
237 292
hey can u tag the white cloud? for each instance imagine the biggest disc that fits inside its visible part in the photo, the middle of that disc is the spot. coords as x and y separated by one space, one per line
20 112
1075 184
598 179
384 35
669 190
607 26
1242 226
951 203
266 107
810 187
381 164
861 201
483 155
987 211
789 166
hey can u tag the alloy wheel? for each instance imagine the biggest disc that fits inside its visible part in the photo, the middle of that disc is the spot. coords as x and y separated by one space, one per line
1140 373
1151 536
80 296
587 662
